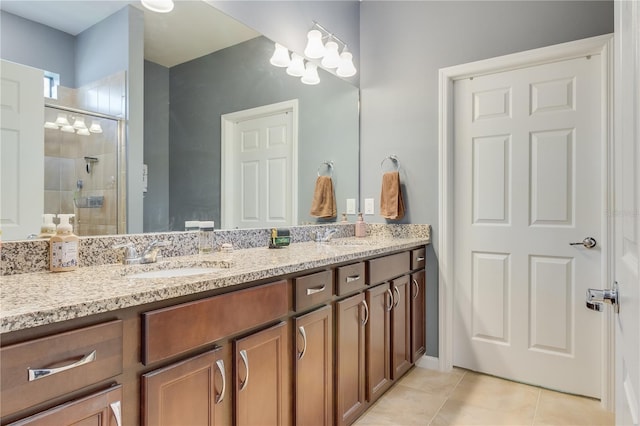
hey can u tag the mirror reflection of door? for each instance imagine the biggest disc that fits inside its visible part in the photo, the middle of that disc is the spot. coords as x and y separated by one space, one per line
260 162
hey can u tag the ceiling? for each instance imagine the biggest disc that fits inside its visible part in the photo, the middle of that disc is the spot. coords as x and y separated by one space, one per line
193 29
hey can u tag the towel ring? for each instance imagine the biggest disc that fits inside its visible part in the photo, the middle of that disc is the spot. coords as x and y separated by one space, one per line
328 165
394 159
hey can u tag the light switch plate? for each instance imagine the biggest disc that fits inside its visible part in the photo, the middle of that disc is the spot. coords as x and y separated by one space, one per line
368 206
351 206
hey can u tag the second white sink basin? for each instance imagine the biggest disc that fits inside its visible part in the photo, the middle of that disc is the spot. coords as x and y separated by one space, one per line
174 272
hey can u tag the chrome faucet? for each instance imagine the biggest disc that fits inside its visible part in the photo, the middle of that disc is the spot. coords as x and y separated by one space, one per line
326 236
150 254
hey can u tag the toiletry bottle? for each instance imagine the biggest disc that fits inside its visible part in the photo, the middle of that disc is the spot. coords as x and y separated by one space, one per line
63 247
206 237
48 228
361 226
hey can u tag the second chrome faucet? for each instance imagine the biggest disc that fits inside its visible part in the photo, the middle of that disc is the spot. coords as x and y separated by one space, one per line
149 255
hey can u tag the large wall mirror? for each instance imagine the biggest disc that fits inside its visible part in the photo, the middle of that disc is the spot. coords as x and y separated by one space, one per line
203 102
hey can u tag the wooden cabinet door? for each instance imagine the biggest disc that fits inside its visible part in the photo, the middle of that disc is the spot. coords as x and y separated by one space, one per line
261 369
185 393
400 327
351 317
378 331
99 409
418 315
314 368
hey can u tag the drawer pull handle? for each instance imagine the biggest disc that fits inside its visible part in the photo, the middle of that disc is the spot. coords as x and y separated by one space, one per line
396 301
304 341
366 312
420 259
117 413
220 396
391 300
417 288
315 290
245 360
38 373
352 278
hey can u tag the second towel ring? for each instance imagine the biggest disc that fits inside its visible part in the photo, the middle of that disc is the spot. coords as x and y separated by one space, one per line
329 167
394 159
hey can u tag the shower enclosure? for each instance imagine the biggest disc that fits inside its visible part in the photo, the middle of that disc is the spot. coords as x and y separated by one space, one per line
84 173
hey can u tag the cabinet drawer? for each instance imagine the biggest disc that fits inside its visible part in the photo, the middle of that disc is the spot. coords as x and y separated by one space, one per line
313 290
38 370
181 328
350 278
418 258
388 267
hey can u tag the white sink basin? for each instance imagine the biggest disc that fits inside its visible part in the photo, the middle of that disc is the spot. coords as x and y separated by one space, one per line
174 272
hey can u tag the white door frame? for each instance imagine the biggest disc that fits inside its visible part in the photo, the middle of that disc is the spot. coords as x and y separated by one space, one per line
602 45
228 126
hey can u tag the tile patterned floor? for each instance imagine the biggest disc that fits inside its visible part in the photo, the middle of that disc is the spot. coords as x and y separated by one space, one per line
427 397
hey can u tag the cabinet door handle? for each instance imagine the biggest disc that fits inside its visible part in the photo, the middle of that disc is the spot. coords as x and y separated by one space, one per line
304 342
315 290
117 413
391 300
245 360
397 292
220 396
419 259
352 278
417 288
366 312
38 373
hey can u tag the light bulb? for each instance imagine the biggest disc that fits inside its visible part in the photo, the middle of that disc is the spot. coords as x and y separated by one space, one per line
315 49
280 56
79 123
95 127
62 120
331 57
296 67
311 74
161 6
346 67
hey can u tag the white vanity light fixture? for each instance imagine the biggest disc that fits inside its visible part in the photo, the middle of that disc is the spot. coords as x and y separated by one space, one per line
280 57
62 119
83 132
78 124
68 129
50 125
161 6
311 76
329 52
296 67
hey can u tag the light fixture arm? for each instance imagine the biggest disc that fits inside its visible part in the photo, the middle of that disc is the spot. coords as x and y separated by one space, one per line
328 34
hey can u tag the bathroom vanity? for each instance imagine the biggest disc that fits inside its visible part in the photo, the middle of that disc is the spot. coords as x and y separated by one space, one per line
309 334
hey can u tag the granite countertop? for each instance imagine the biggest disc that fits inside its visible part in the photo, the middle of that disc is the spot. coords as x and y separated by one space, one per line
35 299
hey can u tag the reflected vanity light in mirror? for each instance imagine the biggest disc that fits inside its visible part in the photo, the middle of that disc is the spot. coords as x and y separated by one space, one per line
296 66
311 76
161 6
280 56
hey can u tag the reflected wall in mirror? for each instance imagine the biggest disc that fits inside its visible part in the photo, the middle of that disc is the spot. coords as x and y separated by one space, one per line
183 104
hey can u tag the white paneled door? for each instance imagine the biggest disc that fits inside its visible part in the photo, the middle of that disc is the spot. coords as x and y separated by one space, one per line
626 215
21 150
527 183
259 171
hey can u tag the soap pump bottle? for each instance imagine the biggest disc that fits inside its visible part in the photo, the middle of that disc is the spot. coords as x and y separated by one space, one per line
48 228
361 226
63 247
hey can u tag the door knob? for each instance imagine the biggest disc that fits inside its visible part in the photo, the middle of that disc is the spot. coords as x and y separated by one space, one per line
595 298
588 242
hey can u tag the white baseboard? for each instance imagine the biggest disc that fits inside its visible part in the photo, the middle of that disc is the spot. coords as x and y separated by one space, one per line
428 362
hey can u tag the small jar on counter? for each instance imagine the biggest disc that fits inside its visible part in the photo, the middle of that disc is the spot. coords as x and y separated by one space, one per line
206 237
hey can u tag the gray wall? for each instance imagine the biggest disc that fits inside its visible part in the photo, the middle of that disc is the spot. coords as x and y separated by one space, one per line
239 78
29 43
156 146
403 44
287 22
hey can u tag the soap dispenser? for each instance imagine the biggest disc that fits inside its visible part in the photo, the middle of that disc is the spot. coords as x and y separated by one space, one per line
48 228
361 226
63 247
